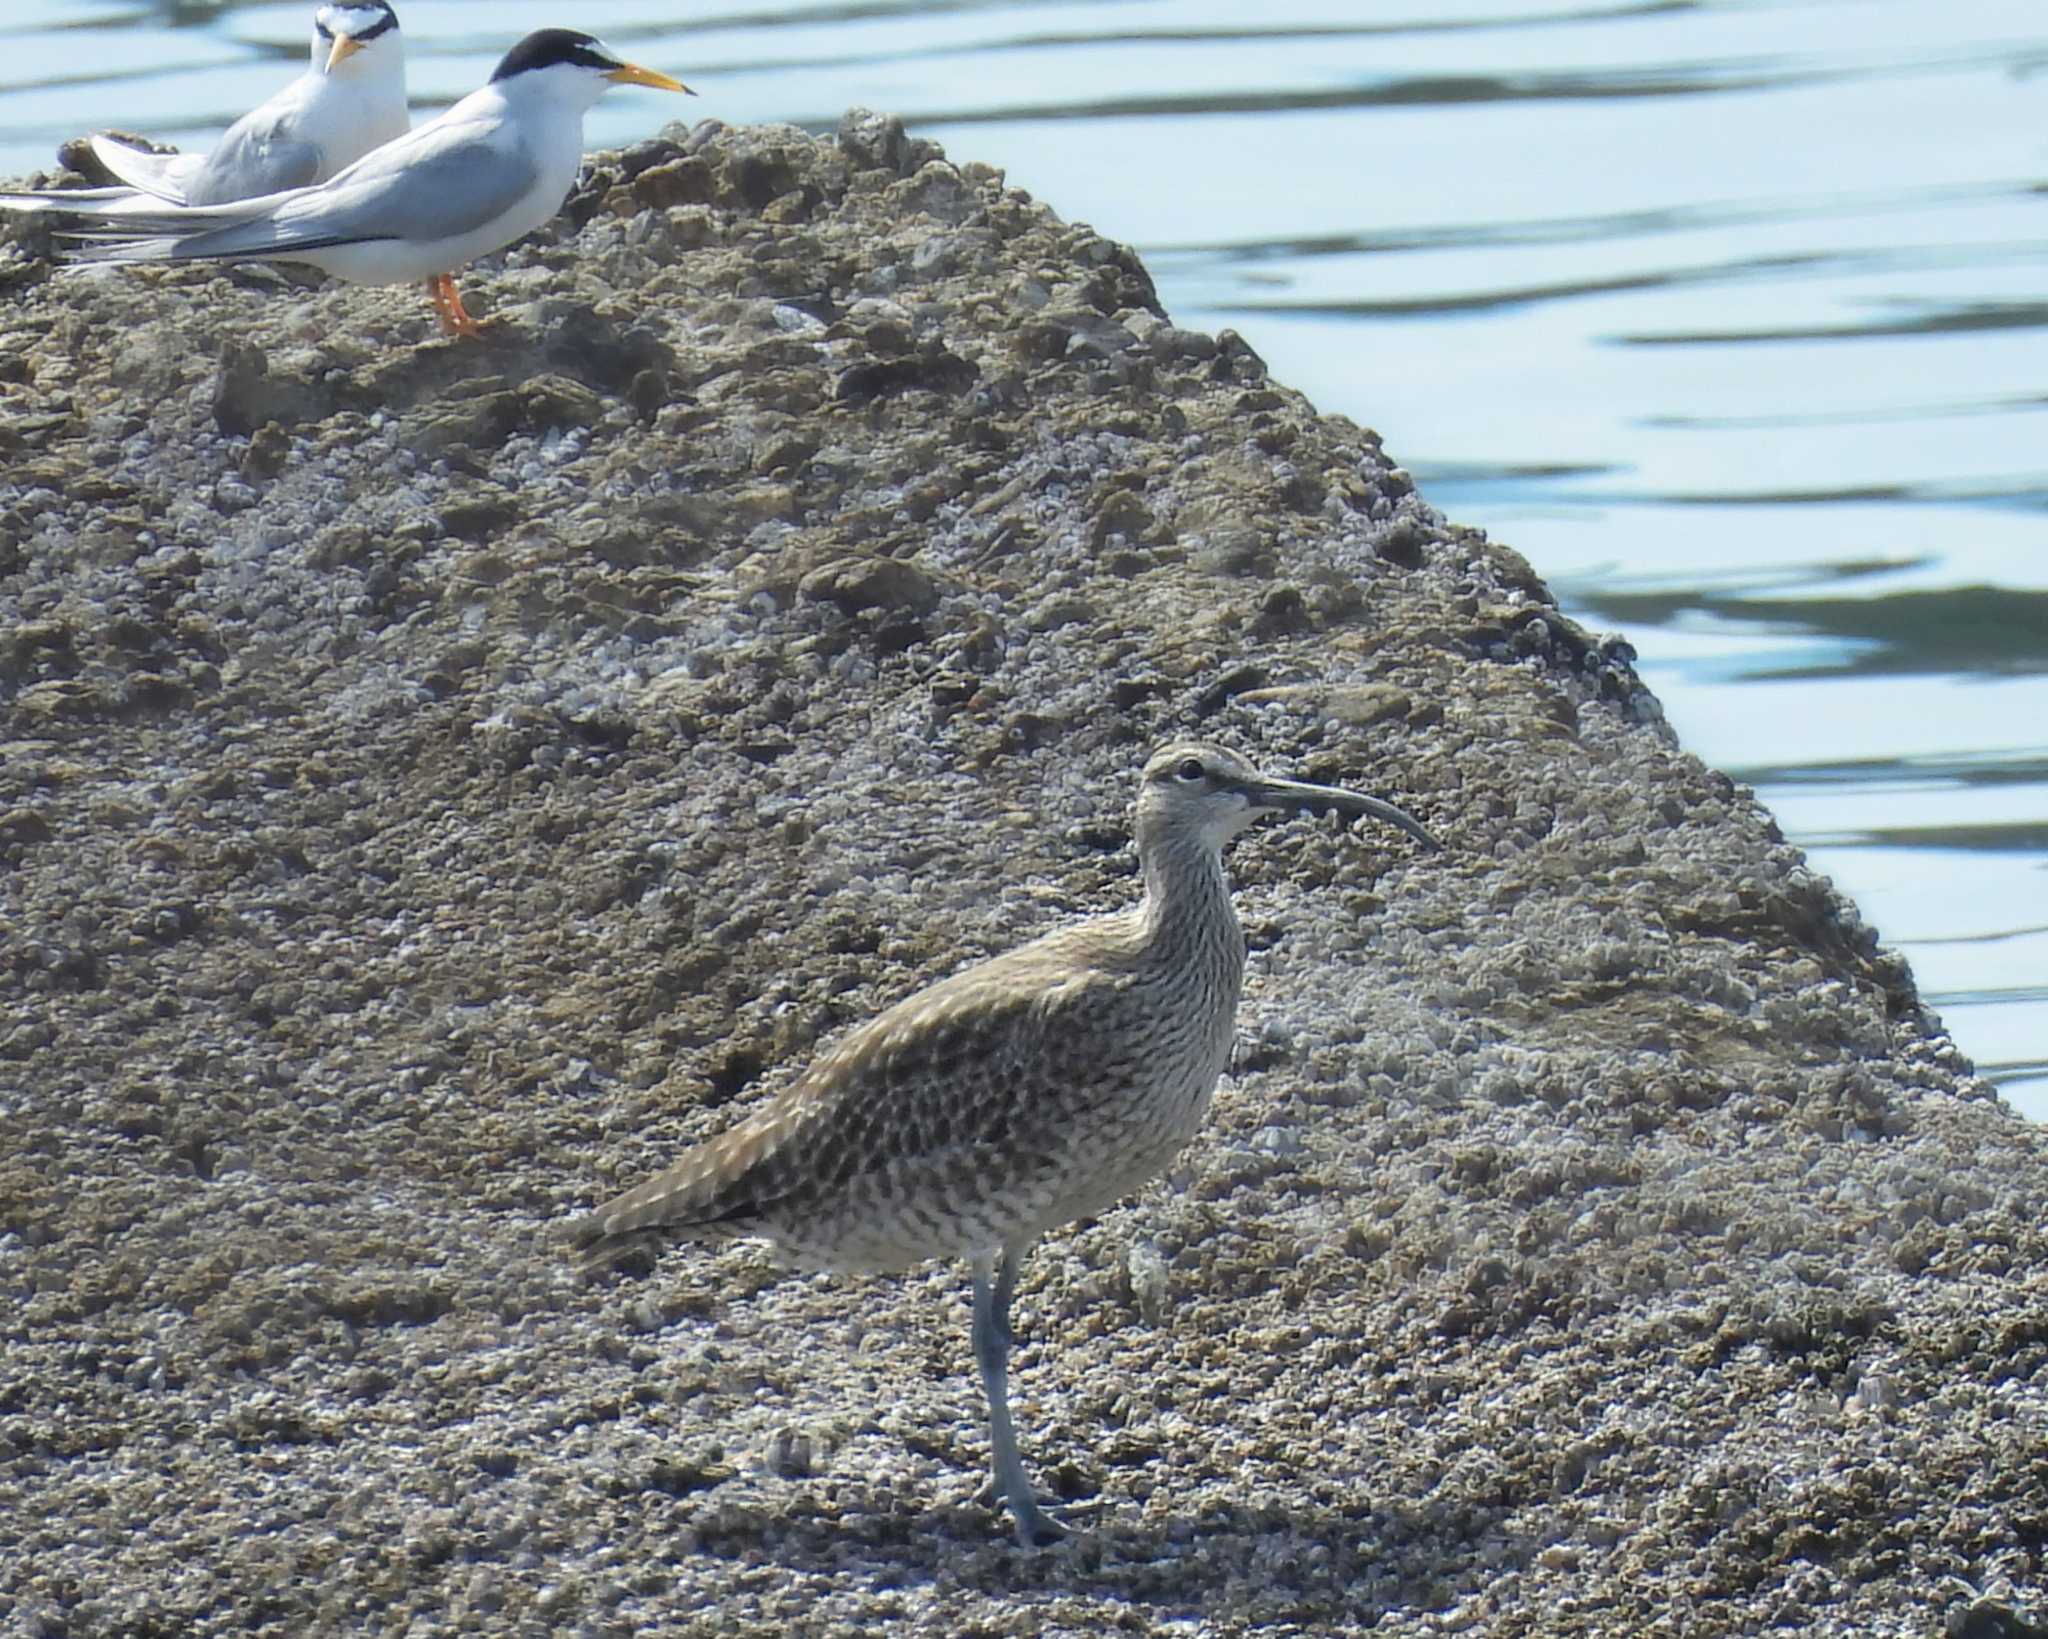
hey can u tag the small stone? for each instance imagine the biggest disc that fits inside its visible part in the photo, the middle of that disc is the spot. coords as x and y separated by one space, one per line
855 584
269 447
1146 1270
684 181
24 825
788 1454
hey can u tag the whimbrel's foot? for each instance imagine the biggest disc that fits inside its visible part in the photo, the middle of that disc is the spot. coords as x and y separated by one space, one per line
1038 1529
1035 1527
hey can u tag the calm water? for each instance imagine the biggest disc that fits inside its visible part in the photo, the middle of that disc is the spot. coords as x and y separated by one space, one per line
1729 315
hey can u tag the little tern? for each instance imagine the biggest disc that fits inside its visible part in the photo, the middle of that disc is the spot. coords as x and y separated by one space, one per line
472 180
350 99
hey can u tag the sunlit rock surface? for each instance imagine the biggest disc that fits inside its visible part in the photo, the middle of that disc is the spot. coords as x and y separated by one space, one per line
440 780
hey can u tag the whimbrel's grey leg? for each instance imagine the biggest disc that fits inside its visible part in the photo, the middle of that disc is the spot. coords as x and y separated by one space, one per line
1008 1262
995 1283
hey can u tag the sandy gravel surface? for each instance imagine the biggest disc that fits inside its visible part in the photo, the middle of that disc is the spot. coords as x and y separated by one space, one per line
438 781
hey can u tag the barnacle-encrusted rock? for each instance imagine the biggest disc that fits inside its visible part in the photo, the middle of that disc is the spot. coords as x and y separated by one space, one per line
437 780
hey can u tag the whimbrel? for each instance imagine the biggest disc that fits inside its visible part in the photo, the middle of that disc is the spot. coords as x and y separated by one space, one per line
1026 1092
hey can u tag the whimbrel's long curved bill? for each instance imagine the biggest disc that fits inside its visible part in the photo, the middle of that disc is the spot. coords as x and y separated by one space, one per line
1299 797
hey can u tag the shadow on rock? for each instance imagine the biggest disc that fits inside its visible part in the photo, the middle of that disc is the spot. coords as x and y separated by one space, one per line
1244 1562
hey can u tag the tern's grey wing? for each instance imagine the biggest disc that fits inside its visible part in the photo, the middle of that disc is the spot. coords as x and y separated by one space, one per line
441 189
254 157
85 204
409 189
162 176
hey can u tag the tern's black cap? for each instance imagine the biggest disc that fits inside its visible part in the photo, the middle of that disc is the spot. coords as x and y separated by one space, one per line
386 22
548 46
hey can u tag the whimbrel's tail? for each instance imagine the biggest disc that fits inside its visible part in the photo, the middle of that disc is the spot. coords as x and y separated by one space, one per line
609 1241
714 1192
633 1252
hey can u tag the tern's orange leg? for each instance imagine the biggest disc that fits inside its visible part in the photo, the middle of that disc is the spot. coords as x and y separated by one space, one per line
447 300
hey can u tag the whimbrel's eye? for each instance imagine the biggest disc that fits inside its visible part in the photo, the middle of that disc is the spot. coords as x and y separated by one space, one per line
1191 770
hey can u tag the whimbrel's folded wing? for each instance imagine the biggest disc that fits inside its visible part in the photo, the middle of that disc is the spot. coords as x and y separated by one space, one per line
966 1092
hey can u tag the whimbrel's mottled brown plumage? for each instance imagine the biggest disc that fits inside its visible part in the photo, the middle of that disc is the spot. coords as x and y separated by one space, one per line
1019 1095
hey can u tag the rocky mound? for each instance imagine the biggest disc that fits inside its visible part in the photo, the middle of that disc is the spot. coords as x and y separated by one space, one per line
440 780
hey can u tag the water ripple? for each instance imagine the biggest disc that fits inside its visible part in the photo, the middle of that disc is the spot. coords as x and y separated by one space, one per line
1978 631
1603 226
1930 319
1934 771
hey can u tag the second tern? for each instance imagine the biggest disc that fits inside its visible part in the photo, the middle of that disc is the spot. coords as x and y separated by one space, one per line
350 100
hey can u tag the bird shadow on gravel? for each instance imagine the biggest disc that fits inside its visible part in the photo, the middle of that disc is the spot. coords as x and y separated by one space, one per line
1251 1562
551 365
